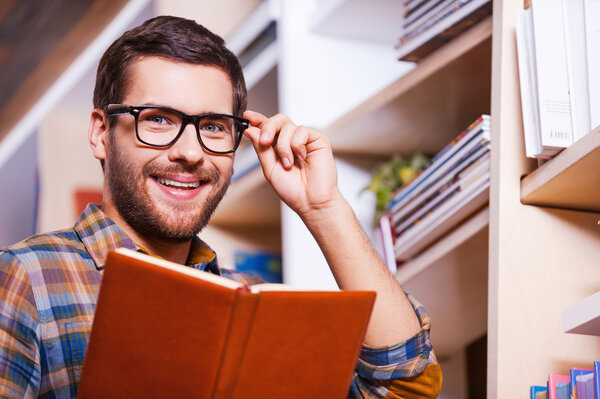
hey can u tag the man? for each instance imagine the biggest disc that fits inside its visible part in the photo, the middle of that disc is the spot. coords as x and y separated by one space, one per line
168 103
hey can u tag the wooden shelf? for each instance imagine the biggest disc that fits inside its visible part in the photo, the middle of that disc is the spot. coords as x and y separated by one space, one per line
250 201
583 317
426 108
451 280
570 180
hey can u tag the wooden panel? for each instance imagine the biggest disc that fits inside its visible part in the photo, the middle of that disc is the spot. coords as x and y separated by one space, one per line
541 260
450 279
426 108
89 26
570 180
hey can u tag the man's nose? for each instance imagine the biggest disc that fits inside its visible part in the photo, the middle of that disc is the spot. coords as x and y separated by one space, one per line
187 149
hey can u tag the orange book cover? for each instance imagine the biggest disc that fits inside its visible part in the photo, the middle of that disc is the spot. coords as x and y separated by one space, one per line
166 330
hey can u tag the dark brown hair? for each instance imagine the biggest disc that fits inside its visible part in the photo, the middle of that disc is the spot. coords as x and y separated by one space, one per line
173 38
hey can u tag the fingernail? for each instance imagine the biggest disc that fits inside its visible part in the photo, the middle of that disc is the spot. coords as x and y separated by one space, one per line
263 138
286 162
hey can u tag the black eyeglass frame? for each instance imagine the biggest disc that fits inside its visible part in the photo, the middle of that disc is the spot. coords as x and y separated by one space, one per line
135 110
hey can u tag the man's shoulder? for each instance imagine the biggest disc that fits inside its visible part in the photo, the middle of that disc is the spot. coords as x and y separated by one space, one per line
43 246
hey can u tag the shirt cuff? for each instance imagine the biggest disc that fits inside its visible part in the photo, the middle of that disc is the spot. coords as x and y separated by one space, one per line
404 359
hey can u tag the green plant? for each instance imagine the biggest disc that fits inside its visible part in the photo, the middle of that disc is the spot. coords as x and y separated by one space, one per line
392 175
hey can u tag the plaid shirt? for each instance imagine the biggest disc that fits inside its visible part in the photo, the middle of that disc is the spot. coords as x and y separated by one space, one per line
48 290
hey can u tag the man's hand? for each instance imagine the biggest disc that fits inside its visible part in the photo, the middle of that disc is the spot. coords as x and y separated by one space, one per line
297 161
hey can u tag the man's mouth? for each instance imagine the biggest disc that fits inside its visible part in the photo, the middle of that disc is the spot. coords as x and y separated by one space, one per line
177 184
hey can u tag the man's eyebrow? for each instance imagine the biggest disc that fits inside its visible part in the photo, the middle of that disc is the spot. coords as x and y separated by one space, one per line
153 104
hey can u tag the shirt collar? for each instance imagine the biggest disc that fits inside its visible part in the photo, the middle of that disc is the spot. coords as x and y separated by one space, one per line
99 235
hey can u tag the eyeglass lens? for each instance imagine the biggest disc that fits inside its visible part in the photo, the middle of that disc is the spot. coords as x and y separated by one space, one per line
160 127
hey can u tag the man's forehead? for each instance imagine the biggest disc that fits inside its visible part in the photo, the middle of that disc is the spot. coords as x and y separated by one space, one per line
182 85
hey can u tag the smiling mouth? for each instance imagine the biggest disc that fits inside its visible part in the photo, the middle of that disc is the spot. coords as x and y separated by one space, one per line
177 184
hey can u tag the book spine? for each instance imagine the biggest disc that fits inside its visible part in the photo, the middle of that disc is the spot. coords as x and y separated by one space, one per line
552 77
592 27
449 28
575 44
529 106
463 139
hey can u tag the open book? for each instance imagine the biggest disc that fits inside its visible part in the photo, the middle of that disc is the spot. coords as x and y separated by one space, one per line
166 330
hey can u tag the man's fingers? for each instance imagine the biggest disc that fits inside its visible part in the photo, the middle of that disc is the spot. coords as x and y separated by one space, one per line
283 146
255 118
299 141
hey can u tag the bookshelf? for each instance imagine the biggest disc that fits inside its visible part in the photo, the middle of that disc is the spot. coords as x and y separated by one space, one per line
541 259
571 180
453 83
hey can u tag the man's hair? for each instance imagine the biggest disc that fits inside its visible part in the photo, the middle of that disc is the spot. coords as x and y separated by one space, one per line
169 37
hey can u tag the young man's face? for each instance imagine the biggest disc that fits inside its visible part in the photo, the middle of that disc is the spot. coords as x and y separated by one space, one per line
145 183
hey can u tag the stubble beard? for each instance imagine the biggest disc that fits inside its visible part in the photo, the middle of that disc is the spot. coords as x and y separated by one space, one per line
132 200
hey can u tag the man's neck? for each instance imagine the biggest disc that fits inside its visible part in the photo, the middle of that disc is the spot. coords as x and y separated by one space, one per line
175 252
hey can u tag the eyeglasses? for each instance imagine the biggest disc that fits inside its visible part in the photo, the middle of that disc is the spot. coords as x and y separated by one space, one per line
158 126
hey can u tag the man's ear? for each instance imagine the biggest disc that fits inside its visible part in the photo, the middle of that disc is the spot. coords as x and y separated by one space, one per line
98 133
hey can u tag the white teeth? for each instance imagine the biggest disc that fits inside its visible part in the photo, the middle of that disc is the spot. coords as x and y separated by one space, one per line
174 183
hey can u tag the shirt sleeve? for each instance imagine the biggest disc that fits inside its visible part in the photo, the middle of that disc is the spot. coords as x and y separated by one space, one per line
19 332
408 369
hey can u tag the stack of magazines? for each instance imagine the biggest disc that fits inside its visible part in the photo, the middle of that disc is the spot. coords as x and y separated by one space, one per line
452 187
428 24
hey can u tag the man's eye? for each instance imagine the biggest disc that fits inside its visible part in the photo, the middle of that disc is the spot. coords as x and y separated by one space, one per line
212 127
158 119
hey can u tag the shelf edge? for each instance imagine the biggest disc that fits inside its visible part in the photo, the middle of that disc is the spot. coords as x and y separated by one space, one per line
583 317
547 174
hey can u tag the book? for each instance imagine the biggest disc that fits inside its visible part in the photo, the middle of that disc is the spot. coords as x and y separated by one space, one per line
443 218
441 162
592 29
574 373
443 28
528 85
552 77
575 46
584 387
430 189
387 243
597 380
166 330
553 381
459 181
535 392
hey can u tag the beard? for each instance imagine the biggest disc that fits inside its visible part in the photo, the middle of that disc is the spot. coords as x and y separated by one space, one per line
132 200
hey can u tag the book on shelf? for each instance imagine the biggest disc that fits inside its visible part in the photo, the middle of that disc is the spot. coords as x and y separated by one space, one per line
430 24
557 85
440 163
592 29
580 380
597 380
575 46
166 330
538 392
453 186
558 386
387 243
443 218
